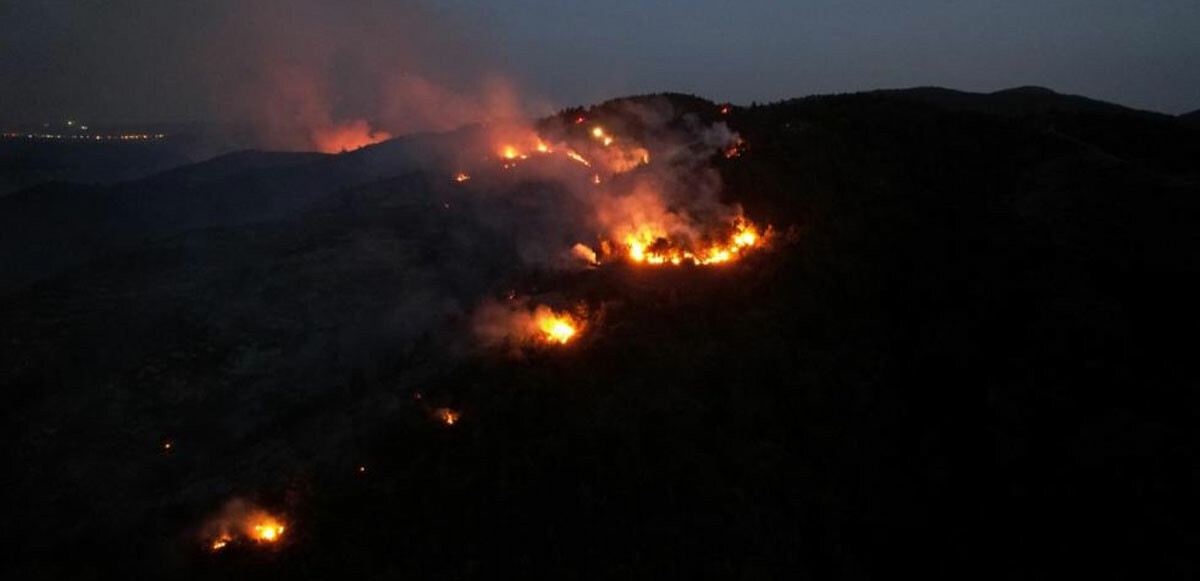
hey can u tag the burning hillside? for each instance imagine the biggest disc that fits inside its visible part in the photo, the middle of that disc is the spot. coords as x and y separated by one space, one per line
649 194
518 325
241 522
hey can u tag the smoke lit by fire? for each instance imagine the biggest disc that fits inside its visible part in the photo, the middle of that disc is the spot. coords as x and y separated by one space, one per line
518 325
446 416
240 522
347 136
655 214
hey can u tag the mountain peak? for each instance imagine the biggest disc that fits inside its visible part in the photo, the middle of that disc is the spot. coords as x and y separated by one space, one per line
1028 90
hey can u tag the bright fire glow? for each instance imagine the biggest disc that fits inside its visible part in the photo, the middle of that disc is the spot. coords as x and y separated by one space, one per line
267 531
347 136
579 158
245 523
644 246
555 327
461 177
446 416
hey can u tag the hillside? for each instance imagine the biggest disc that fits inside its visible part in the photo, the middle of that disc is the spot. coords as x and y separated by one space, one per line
959 348
1192 118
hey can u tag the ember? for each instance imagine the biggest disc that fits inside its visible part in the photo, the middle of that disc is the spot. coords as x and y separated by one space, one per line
461 177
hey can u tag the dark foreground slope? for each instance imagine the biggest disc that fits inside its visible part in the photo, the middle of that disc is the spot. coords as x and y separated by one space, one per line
964 355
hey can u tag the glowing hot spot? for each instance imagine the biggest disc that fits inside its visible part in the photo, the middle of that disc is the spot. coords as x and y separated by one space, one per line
446 416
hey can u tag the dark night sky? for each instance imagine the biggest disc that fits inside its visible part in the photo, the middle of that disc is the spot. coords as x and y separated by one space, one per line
167 60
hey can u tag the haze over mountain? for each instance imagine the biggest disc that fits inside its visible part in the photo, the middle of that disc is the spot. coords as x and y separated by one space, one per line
957 351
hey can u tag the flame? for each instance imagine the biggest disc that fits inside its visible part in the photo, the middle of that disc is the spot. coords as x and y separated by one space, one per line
735 149
461 177
659 235
221 542
446 416
555 327
579 158
241 521
647 246
510 152
266 530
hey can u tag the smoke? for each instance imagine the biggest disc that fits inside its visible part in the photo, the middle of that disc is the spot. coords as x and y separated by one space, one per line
240 520
517 325
649 175
331 76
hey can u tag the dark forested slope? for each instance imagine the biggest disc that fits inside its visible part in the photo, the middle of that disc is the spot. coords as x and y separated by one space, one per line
964 353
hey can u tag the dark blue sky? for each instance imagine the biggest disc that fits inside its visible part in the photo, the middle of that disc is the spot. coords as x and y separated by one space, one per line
1144 53
142 60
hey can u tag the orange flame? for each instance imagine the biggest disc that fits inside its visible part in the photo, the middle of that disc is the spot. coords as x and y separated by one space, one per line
579 158
221 542
643 246
446 416
240 521
555 327
266 529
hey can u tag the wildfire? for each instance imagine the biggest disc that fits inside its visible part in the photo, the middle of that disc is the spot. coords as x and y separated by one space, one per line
579 158
555 327
221 542
268 530
446 416
510 153
348 136
516 325
461 177
601 136
644 247
735 149
239 522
